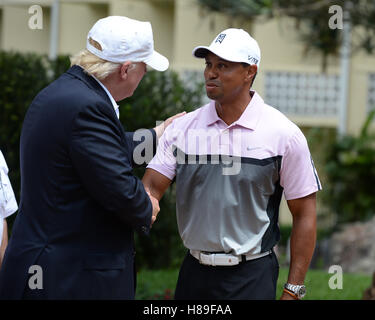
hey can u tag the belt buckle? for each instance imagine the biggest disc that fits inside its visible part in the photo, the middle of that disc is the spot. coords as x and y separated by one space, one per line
228 260
201 258
218 259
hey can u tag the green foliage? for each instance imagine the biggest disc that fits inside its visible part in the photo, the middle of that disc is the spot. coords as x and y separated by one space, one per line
57 67
22 77
351 176
160 285
159 96
318 288
317 37
156 284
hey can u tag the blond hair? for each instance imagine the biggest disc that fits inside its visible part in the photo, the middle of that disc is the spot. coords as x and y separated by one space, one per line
94 65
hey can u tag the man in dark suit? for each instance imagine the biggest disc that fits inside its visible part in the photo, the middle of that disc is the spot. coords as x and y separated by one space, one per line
80 202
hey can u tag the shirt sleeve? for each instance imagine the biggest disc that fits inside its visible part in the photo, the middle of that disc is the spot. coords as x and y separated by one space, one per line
298 175
8 202
164 160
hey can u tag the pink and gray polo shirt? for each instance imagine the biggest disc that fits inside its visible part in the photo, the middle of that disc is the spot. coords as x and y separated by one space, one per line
230 179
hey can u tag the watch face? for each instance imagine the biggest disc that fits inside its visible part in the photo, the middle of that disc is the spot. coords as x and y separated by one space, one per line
302 291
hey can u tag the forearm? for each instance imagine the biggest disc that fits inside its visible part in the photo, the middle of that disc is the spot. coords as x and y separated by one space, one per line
155 183
302 245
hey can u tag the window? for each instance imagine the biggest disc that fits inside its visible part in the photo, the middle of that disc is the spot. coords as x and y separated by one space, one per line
303 94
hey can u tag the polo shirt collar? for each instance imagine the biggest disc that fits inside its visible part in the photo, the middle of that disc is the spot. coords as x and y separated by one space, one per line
212 116
248 119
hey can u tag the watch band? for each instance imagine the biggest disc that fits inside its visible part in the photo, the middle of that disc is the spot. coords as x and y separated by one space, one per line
298 290
291 293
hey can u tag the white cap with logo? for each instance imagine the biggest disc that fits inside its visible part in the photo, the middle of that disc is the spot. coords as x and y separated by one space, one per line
234 45
123 39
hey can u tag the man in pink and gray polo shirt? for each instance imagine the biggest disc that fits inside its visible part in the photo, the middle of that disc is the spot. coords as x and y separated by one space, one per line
232 160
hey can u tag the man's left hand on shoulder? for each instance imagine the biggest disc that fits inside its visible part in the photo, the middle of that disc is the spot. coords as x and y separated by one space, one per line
161 127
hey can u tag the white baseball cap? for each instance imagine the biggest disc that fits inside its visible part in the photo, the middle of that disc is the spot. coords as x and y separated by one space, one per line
234 45
123 39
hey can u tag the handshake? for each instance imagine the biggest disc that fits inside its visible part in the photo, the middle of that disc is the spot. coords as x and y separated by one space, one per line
156 190
155 206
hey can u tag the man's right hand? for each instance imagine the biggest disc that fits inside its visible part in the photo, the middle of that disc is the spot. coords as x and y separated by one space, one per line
155 207
155 185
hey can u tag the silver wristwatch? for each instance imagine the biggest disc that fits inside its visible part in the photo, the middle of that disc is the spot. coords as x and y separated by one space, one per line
298 290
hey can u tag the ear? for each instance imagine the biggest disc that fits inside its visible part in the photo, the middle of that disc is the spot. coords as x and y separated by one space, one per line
124 70
251 72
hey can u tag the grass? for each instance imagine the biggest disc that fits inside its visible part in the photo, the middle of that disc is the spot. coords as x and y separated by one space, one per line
156 284
353 285
160 284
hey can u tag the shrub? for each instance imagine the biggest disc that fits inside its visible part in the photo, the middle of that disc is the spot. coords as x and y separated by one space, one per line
22 77
350 170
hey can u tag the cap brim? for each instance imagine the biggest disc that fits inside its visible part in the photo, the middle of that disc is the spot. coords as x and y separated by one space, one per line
201 51
157 61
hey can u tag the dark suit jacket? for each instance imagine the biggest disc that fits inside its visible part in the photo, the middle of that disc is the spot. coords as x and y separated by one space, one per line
80 201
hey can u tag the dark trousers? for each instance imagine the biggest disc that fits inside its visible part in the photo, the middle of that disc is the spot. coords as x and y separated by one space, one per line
250 280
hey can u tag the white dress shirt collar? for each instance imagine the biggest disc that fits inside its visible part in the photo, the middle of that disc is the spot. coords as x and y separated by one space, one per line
115 105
